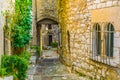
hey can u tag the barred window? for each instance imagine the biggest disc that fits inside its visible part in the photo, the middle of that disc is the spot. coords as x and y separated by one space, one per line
109 39
96 39
103 44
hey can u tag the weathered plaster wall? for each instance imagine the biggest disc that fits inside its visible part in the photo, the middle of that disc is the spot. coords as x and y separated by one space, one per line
4 5
77 17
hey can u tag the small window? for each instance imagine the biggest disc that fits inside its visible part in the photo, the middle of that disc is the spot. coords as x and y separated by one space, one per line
103 44
109 39
96 39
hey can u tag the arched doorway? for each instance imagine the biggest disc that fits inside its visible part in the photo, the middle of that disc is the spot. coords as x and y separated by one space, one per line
47 33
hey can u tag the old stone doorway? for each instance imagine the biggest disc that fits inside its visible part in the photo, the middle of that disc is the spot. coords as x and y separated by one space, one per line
50 39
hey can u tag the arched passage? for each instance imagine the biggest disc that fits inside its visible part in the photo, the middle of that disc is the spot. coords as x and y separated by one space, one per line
47 33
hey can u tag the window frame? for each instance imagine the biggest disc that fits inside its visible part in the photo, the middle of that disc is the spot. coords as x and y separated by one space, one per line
97 38
109 40
103 58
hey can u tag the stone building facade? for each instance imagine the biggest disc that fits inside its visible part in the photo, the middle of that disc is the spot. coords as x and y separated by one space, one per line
91 37
45 12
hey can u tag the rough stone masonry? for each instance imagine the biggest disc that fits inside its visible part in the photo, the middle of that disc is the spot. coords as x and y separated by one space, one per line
78 17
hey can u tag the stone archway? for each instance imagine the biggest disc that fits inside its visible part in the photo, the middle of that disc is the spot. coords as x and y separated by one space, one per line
45 33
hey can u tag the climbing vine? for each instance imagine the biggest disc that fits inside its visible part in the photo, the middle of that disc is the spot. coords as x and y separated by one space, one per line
21 23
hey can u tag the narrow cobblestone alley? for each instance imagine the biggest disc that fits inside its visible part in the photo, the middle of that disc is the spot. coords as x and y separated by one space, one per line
59 40
50 68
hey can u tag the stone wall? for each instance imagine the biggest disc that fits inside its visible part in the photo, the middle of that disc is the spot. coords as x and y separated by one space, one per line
46 32
4 5
34 21
77 17
43 9
47 9
74 19
63 20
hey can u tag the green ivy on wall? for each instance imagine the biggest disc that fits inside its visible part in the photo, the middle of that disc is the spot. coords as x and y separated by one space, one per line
21 24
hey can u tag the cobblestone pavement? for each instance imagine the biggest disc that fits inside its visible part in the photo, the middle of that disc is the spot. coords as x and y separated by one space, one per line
50 68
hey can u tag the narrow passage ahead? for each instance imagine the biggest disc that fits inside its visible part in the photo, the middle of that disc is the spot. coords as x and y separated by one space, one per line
50 68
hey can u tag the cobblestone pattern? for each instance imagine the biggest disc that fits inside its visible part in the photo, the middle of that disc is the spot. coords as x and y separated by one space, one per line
49 68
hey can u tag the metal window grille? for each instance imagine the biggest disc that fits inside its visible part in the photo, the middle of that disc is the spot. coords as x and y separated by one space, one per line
109 39
103 43
96 34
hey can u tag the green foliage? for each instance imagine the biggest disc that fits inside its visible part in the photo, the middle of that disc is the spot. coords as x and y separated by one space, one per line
80 74
3 72
16 65
36 48
39 50
25 55
21 23
54 44
33 47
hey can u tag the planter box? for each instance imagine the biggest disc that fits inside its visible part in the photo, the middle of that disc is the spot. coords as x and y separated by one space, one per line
7 78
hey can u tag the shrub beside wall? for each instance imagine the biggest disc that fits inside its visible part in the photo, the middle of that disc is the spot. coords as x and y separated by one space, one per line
15 65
